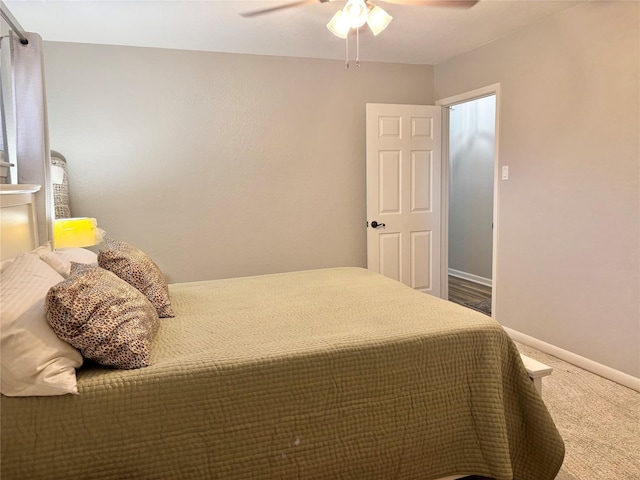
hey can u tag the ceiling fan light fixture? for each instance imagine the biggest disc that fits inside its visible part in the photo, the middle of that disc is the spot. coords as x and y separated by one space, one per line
378 20
340 24
357 12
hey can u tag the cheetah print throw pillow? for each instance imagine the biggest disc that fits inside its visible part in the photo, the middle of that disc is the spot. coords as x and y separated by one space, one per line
138 270
103 316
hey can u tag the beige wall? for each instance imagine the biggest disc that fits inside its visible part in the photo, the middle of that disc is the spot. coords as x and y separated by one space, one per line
221 165
568 248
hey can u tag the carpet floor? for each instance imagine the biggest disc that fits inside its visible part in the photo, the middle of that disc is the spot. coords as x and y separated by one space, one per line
599 421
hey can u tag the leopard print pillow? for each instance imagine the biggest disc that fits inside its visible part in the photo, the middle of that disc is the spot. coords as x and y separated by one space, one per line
138 270
103 316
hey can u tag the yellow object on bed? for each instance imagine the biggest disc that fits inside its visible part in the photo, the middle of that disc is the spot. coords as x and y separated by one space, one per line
326 374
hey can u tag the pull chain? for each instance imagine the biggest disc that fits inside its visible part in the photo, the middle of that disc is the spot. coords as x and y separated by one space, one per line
346 51
358 47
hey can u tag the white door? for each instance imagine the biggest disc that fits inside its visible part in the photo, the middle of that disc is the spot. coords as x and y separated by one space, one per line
404 193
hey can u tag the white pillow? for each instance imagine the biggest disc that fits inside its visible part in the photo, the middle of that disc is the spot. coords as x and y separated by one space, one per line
60 260
41 250
34 360
44 248
5 263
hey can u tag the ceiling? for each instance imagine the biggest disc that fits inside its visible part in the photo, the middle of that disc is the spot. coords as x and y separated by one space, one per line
418 34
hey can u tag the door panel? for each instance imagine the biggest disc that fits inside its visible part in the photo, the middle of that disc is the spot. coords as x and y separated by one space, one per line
390 186
390 255
421 253
403 193
421 168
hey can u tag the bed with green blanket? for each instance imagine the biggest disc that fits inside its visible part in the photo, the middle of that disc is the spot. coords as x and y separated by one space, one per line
325 374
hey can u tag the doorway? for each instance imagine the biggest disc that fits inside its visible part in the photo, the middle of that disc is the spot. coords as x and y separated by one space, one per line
470 197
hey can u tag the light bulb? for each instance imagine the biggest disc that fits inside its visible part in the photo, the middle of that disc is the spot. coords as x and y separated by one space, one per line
356 11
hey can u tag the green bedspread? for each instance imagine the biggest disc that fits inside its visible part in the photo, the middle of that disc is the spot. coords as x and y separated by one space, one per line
326 374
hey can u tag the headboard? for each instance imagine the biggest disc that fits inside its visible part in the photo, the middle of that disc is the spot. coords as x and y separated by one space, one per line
18 221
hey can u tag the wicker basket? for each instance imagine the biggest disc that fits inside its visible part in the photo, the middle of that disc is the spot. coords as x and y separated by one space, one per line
61 190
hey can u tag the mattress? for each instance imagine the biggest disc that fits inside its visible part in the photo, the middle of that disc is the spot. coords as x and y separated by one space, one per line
325 374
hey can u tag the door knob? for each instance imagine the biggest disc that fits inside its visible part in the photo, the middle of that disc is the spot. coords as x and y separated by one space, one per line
375 224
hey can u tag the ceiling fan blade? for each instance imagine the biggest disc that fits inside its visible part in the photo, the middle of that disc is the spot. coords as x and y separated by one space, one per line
435 3
263 11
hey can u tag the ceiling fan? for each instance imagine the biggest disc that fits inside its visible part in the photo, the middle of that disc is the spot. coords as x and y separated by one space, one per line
356 13
358 5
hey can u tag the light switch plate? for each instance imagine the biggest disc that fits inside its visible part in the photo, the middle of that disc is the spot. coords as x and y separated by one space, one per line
505 172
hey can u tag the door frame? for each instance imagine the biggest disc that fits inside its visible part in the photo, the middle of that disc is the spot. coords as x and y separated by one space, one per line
446 103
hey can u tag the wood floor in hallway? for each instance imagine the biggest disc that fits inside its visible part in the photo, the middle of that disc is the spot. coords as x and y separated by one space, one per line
462 291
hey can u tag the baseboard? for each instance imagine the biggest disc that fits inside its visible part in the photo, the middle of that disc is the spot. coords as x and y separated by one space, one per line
471 277
594 367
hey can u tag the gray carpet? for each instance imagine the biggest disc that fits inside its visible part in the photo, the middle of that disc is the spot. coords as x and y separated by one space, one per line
599 421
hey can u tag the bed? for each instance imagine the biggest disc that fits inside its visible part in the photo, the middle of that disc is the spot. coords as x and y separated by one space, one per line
335 373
